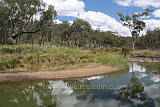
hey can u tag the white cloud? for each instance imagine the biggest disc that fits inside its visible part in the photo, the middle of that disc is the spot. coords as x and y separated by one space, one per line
67 7
155 78
71 22
104 22
57 21
75 8
136 68
153 92
139 3
151 24
157 13
124 2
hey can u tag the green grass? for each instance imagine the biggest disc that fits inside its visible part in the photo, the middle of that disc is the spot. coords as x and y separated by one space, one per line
35 58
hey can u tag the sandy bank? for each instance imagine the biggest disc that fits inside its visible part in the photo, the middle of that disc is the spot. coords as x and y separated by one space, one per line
57 75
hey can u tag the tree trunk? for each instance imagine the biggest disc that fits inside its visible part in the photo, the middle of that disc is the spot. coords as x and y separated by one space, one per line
133 45
41 40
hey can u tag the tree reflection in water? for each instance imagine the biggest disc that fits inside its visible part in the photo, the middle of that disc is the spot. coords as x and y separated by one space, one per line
35 94
28 95
133 92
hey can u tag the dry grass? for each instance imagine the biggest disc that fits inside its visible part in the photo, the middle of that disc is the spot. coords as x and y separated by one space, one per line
28 58
146 53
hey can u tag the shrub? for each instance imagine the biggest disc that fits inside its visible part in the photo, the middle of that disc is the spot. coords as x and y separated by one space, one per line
10 41
2 68
125 50
12 63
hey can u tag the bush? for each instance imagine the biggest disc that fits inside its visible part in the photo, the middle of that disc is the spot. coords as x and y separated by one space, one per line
10 41
12 63
2 68
125 50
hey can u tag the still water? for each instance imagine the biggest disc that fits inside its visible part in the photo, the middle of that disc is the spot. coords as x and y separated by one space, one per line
136 86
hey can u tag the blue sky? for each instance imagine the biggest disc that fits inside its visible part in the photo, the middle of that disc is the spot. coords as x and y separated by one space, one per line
110 7
102 13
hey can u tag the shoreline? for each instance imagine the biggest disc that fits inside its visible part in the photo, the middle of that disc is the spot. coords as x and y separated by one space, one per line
143 59
57 75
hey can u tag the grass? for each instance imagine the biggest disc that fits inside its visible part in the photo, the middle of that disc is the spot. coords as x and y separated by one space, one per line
35 58
146 53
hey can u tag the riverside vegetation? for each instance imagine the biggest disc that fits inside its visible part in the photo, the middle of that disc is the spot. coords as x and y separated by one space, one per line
34 58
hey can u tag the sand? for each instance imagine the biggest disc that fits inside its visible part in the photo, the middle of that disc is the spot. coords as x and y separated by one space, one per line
57 75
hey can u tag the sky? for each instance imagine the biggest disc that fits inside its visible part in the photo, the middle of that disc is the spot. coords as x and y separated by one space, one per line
102 13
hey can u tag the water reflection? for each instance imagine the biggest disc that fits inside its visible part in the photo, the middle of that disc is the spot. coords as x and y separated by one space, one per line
137 86
24 94
134 92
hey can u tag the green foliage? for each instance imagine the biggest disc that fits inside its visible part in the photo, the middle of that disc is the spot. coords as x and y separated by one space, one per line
10 64
10 41
125 50
77 33
18 17
149 41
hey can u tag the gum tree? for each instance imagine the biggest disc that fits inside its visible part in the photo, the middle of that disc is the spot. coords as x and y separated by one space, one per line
135 23
24 17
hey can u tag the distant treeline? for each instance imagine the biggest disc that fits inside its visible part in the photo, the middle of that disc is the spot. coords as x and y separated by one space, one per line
149 41
27 22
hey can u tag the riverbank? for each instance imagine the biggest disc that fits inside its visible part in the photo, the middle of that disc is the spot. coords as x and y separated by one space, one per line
143 59
35 58
57 75
145 56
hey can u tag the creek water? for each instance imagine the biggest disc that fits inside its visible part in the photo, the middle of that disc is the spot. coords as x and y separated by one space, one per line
136 86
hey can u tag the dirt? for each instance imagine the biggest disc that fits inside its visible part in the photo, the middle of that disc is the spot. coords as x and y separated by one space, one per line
143 59
57 75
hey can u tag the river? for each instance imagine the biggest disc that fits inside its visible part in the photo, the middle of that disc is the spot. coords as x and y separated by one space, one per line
136 86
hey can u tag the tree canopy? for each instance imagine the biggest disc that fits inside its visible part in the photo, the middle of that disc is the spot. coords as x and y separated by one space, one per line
24 16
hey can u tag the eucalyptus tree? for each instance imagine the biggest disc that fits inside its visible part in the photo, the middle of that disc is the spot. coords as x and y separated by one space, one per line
80 30
135 23
77 33
4 22
24 16
47 23
63 32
